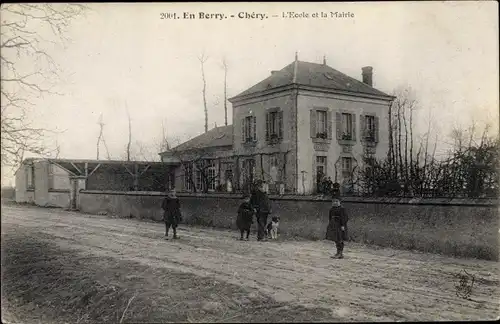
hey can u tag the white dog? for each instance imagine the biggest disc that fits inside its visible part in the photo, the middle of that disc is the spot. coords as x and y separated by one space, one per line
272 227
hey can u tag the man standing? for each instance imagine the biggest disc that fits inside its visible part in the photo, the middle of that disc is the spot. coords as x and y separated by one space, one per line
337 227
172 213
260 201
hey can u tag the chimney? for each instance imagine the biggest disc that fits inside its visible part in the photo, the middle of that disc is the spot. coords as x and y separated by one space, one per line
367 73
273 72
324 60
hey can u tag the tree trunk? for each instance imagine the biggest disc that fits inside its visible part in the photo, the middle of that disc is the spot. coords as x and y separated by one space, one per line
412 167
406 183
129 135
400 153
391 145
225 91
202 62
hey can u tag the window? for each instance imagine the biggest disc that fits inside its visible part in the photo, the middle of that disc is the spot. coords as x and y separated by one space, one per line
212 176
198 180
274 170
346 167
274 125
320 172
249 169
347 127
347 183
321 165
188 174
170 180
370 128
321 125
229 173
249 129
273 161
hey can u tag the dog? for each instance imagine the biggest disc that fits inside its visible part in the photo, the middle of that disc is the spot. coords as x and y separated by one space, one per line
272 228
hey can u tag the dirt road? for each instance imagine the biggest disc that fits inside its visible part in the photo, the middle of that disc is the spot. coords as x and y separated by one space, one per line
370 284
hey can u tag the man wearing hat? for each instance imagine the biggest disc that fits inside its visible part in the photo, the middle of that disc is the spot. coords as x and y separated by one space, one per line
260 201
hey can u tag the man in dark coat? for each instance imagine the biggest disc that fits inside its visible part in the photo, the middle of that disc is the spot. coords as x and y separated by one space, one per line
245 217
172 213
337 227
260 202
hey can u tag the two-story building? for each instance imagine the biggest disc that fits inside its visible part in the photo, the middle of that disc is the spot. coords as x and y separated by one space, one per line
304 122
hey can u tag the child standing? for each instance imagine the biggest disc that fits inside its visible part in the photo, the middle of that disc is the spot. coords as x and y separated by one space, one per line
337 227
172 213
245 217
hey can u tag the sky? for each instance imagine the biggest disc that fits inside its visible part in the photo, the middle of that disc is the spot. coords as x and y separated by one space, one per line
124 56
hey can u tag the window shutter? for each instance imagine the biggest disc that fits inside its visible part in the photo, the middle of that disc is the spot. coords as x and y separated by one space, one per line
314 176
338 121
376 129
280 124
243 130
329 124
268 125
362 125
353 120
255 128
313 123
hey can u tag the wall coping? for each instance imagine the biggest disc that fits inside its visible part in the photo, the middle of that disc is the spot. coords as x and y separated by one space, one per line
373 200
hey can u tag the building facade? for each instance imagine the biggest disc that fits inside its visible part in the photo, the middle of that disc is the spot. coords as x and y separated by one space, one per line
57 182
204 163
303 123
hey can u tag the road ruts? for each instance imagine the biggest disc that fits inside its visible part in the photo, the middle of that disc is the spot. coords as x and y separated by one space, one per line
370 284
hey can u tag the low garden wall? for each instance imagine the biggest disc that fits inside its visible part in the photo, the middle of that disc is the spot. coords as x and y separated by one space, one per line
453 227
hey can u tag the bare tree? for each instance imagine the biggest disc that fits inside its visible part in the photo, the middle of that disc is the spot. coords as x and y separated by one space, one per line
57 150
224 66
28 71
129 135
202 58
164 143
101 129
470 170
100 138
149 151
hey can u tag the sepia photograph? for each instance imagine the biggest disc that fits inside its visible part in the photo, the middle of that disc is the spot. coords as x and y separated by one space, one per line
249 162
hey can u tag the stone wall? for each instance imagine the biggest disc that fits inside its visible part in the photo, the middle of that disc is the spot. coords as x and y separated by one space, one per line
457 228
59 198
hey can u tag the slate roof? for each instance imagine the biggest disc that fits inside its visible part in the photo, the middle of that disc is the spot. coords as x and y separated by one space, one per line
216 137
315 75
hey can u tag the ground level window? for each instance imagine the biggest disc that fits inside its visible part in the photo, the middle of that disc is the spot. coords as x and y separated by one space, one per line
212 176
188 174
320 172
